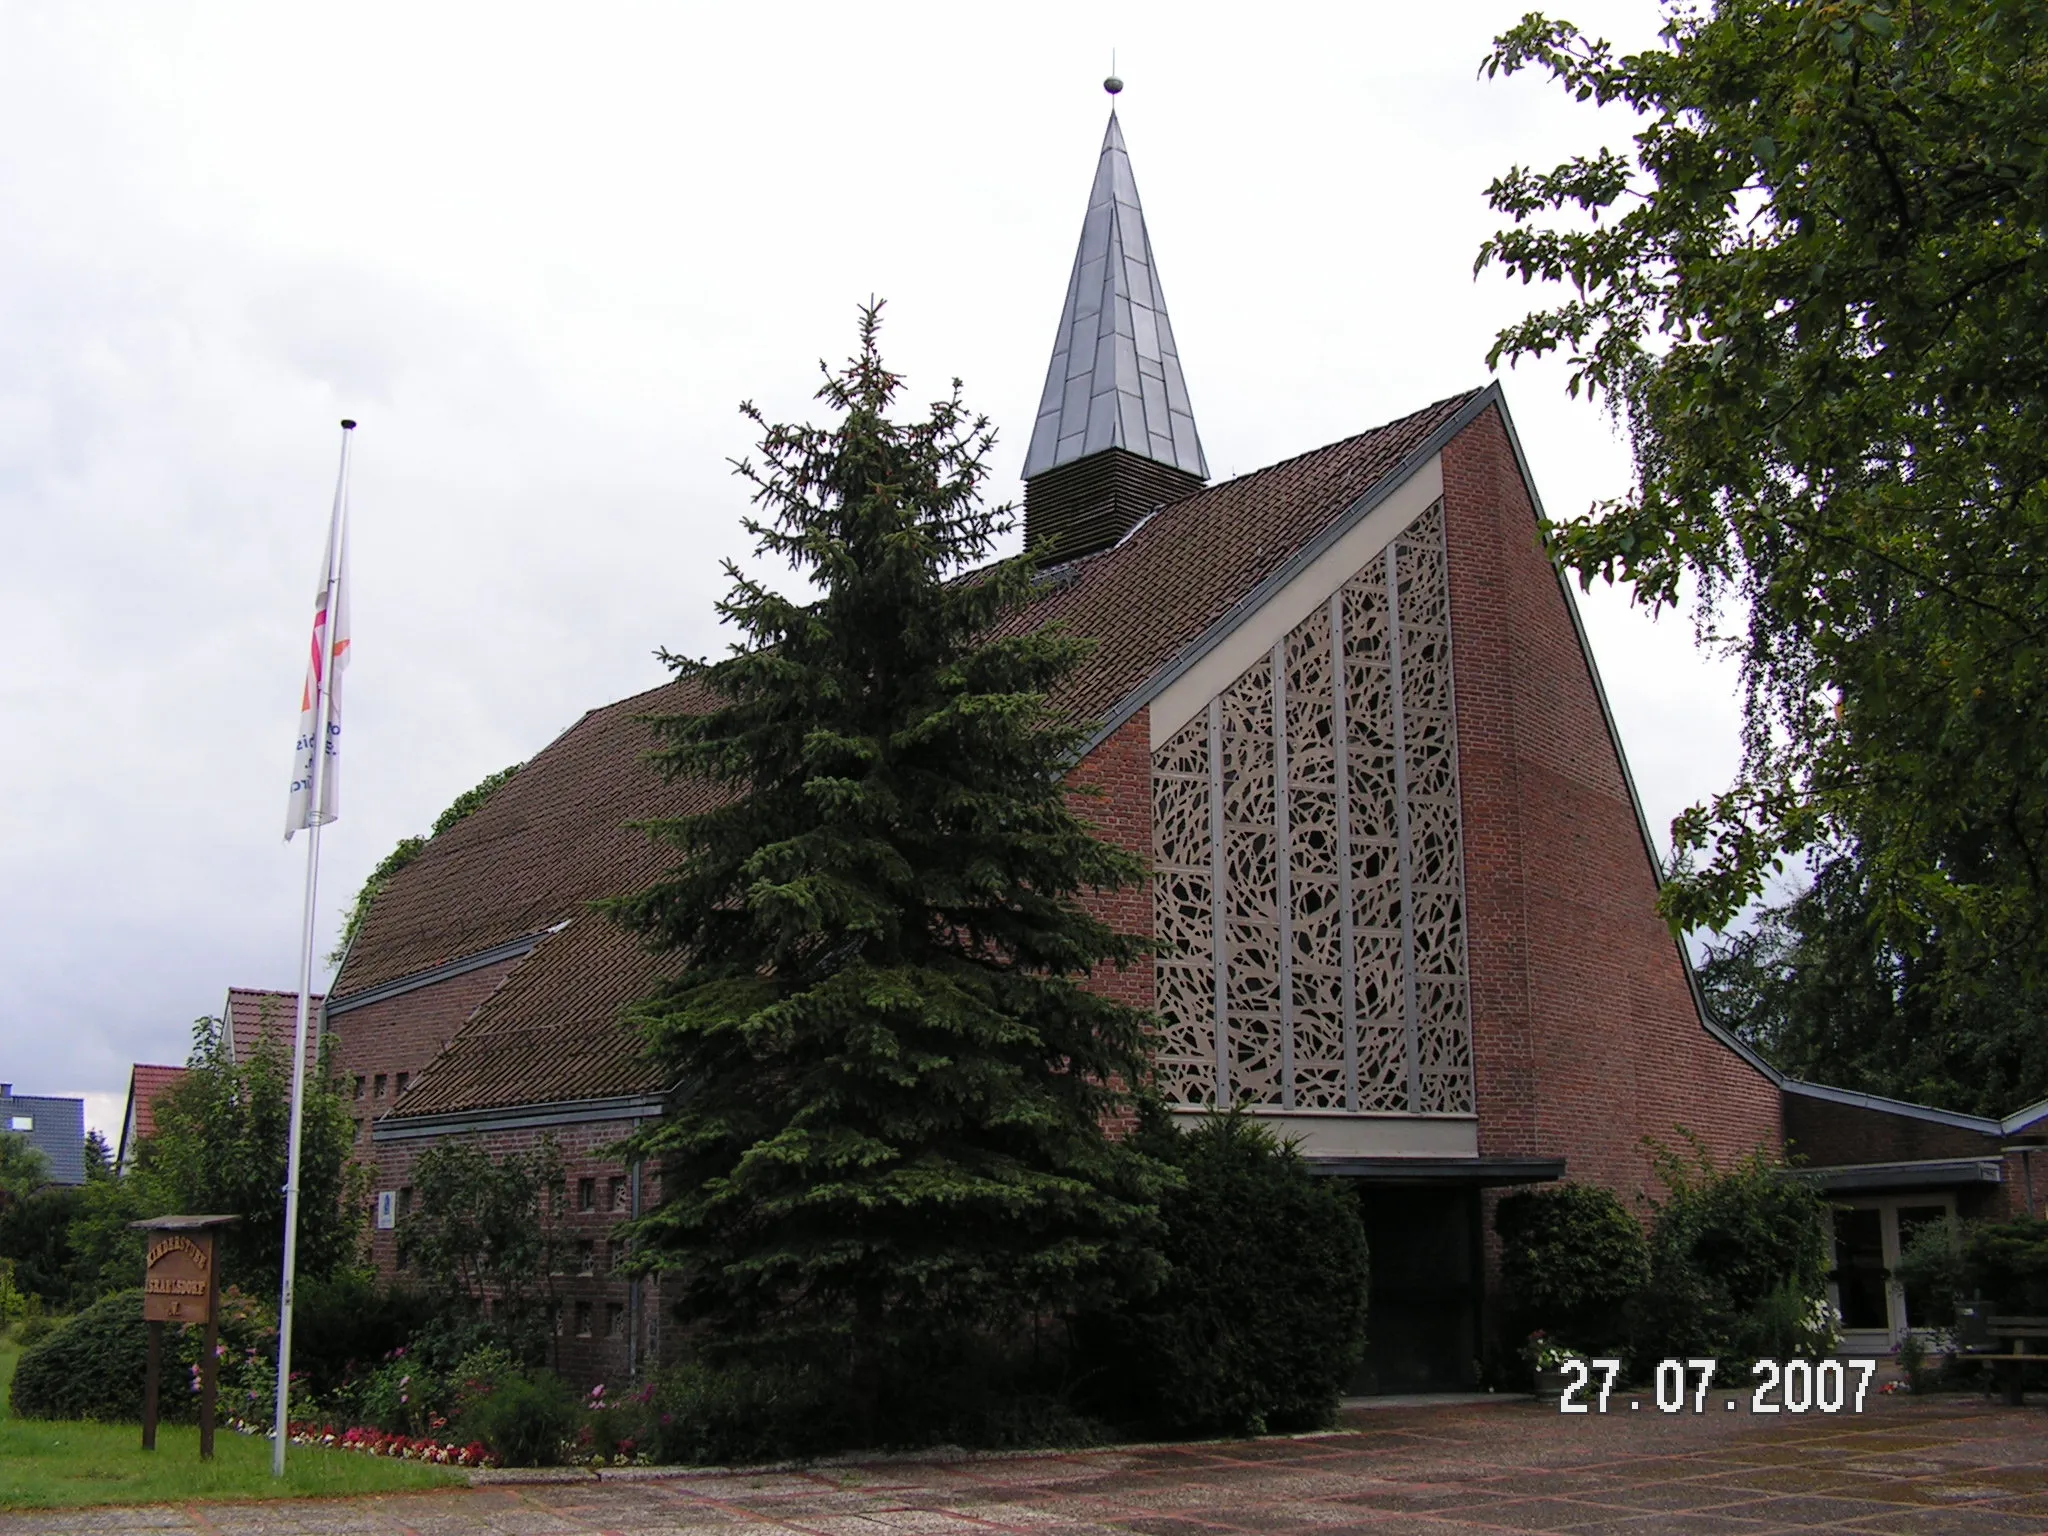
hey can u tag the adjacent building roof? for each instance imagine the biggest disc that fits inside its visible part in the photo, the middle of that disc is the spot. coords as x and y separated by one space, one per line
552 1033
1115 379
253 1013
145 1084
54 1127
556 837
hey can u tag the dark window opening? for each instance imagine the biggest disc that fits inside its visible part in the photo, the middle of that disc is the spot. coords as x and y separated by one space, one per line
586 1194
1859 1268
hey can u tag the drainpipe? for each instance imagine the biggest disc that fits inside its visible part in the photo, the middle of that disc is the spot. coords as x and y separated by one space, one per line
633 1288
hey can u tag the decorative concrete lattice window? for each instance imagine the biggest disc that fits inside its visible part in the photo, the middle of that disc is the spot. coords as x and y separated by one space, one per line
1308 886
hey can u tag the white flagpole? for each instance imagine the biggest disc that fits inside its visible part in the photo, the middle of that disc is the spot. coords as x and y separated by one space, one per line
291 1178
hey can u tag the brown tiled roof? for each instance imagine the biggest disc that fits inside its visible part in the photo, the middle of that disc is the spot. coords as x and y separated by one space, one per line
1185 567
550 839
144 1084
253 1012
551 1033
555 837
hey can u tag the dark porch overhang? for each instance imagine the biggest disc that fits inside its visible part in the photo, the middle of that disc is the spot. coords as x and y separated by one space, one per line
1932 1173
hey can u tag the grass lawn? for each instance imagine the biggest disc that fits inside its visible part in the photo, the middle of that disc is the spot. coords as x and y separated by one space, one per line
46 1464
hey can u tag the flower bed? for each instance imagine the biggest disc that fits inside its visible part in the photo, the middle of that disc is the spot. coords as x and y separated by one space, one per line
375 1442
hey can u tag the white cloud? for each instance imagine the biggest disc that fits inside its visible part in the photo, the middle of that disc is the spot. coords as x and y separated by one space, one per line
541 254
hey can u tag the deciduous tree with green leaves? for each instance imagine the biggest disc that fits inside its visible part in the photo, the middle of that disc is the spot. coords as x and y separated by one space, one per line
891 1079
23 1169
220 1147
1821 989
1814 287
484 1228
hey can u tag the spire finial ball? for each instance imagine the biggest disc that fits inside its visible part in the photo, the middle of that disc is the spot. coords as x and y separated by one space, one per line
1112 85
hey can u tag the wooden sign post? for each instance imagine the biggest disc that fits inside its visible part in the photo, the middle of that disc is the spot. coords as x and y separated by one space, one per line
181 1284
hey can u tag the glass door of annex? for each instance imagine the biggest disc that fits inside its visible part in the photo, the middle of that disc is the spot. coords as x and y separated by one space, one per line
1870 1233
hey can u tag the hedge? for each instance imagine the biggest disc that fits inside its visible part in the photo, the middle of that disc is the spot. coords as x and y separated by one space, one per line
93 1366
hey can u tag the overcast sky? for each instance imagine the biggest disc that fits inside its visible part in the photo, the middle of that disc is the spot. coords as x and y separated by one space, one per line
542 253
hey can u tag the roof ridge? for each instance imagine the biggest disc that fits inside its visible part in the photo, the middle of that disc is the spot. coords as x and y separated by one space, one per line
1278 465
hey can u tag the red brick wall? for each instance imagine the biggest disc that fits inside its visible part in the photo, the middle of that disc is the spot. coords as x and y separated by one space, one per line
2025 1191
1585 1034
403 1034
601 1354
1121 768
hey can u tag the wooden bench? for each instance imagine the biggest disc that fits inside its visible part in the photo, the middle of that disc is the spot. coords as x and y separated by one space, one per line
2015 1334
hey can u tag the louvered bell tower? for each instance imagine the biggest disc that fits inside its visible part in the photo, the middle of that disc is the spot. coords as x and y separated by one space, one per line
1115 436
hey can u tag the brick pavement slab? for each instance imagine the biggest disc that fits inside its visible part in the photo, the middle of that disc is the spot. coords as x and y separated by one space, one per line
1931 1467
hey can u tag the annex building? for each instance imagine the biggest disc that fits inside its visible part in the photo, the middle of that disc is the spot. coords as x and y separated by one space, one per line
1403 888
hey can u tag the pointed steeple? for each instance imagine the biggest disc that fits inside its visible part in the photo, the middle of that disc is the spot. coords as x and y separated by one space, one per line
1114 386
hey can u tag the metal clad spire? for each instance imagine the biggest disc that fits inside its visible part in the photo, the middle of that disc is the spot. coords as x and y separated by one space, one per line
1115 379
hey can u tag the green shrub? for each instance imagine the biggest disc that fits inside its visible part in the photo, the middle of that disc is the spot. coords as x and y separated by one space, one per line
2007 1263
1913 1357
36 1324
345 1324
92 1367
1788 1324
1572 1259
711 1415
1932 1267
13 1302
527 1418
954 1388
1260 1319
1736 1255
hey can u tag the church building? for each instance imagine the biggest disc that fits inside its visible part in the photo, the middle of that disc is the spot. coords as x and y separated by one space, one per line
1404 892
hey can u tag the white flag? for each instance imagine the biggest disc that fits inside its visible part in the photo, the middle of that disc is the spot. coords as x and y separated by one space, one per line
321 705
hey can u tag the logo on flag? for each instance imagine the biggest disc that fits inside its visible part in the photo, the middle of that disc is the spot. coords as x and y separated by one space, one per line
320 700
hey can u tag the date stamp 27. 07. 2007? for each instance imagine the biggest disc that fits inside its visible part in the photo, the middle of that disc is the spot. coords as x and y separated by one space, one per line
1790 1386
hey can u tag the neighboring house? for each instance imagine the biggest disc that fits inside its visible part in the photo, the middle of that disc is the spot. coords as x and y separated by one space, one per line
145 1085
1889 1168
1404 891
54 1127
249 1016
252 1014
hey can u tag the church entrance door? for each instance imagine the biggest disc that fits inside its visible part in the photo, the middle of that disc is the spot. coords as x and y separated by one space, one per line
1422 1322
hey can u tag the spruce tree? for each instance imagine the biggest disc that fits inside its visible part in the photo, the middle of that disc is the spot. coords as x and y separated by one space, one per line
891 1080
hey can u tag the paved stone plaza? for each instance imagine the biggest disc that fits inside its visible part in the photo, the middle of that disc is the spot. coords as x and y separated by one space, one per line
1959 1465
